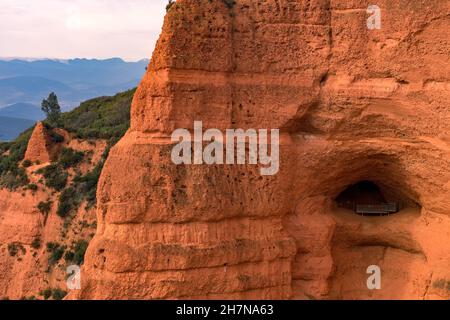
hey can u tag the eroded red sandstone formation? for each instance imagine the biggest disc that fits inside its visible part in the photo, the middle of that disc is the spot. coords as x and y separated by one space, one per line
352 104
39 147
25 230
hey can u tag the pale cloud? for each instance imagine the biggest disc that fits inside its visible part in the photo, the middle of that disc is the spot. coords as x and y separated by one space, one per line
80 28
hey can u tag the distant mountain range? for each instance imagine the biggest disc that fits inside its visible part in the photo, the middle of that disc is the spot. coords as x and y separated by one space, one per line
10 128
73 81
22 111
24 84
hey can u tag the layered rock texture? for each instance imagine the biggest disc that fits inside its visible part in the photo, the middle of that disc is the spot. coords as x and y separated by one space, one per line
352 104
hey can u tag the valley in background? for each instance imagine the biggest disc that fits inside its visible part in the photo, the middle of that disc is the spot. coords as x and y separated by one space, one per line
24 84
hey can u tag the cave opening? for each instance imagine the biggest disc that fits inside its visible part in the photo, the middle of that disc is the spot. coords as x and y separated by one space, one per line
366 198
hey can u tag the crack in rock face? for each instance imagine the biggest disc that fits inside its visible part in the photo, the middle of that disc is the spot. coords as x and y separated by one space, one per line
352 105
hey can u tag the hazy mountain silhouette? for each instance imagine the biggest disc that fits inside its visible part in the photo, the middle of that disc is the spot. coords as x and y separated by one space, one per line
73 81
24 84
10 128
22 111
29 89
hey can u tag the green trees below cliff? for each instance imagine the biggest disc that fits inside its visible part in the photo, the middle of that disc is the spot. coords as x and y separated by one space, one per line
100 118
12 175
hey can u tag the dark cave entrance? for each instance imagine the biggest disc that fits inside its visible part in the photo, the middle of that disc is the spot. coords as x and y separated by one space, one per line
366 198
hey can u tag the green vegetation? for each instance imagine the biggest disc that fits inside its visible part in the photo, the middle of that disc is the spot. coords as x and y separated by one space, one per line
229 3
45 207
442 284
4 147
55 176
68 200
70 158
46 293
36 244
69 256
26 164
87 185
13 249
11 175
169 5
83 187
100 118
56 252
76 253
56 294
51 108
33 187
55 137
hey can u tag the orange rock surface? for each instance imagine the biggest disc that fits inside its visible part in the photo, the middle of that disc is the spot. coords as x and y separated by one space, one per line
39 147
27 272
352 104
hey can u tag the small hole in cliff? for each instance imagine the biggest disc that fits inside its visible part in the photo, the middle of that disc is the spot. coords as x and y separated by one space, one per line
366 198
324 80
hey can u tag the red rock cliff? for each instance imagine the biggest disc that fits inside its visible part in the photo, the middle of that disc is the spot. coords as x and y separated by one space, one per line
26 230
39 148
352 104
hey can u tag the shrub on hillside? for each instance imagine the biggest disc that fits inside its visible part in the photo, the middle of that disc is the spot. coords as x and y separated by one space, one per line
55 294
14 179
45 207
56 252
46 293
36 244
69 256
68 201
14 248
55 137
100 118
58 294
4 147
11 175
229 3
80 250
55 176
87 184
26 163
169 5
32 187
70 158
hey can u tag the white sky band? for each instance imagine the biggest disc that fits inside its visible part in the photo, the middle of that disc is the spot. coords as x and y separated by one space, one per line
80 28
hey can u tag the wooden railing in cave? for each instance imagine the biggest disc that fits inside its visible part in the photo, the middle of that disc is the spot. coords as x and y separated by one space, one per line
384 209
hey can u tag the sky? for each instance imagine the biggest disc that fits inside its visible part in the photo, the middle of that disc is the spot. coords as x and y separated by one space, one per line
64 29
